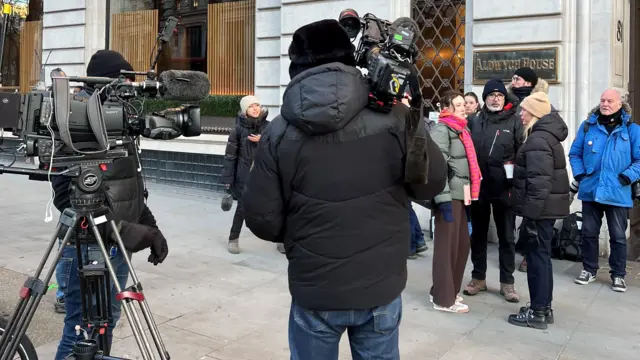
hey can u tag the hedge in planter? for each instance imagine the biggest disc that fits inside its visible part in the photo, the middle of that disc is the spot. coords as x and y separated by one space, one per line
214 105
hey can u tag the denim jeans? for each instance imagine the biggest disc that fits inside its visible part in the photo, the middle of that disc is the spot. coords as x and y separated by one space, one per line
591 222
73 300
417 236
373 333
63 270
539 267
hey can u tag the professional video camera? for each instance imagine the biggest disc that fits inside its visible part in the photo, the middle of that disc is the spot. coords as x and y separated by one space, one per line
388 52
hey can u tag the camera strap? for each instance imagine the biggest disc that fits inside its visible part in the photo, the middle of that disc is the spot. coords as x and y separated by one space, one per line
96 120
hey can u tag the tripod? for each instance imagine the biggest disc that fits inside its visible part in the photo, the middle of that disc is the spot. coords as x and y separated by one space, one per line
88 218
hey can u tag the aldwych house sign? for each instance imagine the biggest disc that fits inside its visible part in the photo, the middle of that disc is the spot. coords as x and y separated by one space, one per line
501 64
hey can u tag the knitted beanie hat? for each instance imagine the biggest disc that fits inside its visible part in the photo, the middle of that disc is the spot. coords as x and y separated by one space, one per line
246 102
537 104
528 74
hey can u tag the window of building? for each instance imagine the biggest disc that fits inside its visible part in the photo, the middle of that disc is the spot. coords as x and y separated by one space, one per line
21 45
214 36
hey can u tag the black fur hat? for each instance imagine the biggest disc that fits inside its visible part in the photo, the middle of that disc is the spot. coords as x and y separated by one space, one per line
320 43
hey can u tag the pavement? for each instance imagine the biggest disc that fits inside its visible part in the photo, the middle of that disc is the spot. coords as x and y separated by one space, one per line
210 304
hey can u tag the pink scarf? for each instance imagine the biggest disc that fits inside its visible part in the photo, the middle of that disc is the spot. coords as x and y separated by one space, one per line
460 125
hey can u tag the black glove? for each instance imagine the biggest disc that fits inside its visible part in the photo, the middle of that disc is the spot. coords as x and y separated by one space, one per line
530 230
579 177
138 237
624 179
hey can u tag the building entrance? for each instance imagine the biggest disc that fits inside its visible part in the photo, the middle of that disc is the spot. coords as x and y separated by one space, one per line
441 44
633 249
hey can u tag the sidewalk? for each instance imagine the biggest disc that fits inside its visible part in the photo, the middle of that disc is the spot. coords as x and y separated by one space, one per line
210 304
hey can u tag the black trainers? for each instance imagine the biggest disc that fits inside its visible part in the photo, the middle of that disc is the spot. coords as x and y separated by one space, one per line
619 285
412 256
534 319
585 278
58 306
422 248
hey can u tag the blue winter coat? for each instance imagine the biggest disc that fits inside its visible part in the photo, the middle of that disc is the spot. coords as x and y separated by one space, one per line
602 157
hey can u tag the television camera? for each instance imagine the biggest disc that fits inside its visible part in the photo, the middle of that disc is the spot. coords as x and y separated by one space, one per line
388 51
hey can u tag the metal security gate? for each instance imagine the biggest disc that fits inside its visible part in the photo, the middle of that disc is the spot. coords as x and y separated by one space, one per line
441 44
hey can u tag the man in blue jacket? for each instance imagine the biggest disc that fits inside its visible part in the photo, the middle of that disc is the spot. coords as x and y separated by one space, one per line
605 160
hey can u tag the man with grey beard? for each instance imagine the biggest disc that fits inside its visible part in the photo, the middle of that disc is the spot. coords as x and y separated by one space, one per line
497 135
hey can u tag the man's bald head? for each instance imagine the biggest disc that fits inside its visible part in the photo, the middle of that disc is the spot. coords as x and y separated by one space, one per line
610 102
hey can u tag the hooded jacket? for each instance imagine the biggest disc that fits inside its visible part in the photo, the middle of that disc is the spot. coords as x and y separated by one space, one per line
240 151
601 158
497 136
540 178
328 181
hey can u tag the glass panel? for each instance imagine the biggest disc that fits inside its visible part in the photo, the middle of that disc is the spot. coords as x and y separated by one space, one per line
441 45
21 44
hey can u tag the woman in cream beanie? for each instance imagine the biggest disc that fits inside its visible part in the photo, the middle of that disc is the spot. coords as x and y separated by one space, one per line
540 195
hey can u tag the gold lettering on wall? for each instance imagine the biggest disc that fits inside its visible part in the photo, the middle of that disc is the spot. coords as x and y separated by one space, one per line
501 64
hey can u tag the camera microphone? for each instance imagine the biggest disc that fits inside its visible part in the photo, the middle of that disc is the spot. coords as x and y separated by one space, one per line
184 85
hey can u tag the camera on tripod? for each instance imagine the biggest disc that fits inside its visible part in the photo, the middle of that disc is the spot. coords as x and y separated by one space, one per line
58 126
388 51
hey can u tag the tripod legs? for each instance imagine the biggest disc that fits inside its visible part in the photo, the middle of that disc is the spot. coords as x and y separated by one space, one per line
32 292
131 294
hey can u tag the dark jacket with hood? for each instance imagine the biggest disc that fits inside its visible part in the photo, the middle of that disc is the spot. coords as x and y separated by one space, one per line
505 127
540 179
328 181
240 151
123 186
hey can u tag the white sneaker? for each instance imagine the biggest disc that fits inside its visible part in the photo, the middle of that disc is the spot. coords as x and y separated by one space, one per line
458 298
455 308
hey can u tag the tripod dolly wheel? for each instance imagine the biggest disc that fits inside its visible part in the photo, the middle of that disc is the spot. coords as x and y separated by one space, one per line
26 350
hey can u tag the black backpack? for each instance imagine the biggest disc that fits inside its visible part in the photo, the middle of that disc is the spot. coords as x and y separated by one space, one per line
567 242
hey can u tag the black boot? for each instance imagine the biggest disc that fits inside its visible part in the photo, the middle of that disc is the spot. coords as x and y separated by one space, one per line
548 313
530 318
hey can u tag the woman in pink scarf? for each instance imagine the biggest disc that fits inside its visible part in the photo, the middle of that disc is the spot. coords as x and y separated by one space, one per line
451 238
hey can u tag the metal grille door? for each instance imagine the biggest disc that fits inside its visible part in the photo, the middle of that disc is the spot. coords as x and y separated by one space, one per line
441 45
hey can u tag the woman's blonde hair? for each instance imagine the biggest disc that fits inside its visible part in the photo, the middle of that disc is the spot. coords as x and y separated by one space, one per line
527 128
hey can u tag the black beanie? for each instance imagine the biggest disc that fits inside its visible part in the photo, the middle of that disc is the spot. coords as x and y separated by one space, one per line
107 63
493 85
320 43
527 74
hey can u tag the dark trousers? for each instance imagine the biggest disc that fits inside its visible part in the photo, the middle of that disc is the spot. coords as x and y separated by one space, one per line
591 222
539 267
417 236
238 220
505 224
450 252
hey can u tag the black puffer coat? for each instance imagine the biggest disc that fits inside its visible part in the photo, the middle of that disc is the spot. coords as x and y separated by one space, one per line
541 181
240 151
505 127
329 182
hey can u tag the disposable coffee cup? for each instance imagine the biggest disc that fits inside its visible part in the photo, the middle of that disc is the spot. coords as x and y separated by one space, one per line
508 169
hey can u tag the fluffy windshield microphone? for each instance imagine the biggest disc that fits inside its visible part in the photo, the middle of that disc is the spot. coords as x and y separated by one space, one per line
184 85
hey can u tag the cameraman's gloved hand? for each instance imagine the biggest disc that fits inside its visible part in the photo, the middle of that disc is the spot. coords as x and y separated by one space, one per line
530 230
138 237
446 208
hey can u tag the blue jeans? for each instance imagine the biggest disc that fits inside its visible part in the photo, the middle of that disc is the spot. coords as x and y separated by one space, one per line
417 236
591 222
73 299
63 271
373 333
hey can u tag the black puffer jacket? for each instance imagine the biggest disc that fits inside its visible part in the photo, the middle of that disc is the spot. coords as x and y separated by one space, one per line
541 181
240 151
505 127
328 181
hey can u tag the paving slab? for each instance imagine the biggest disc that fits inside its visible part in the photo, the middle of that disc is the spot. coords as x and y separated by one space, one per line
212 305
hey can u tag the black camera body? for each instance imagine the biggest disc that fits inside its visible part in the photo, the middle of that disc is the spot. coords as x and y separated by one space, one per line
60 127
388 52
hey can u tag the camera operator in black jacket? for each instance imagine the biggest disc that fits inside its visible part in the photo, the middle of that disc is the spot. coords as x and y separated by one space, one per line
123 185
540 195
329 182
